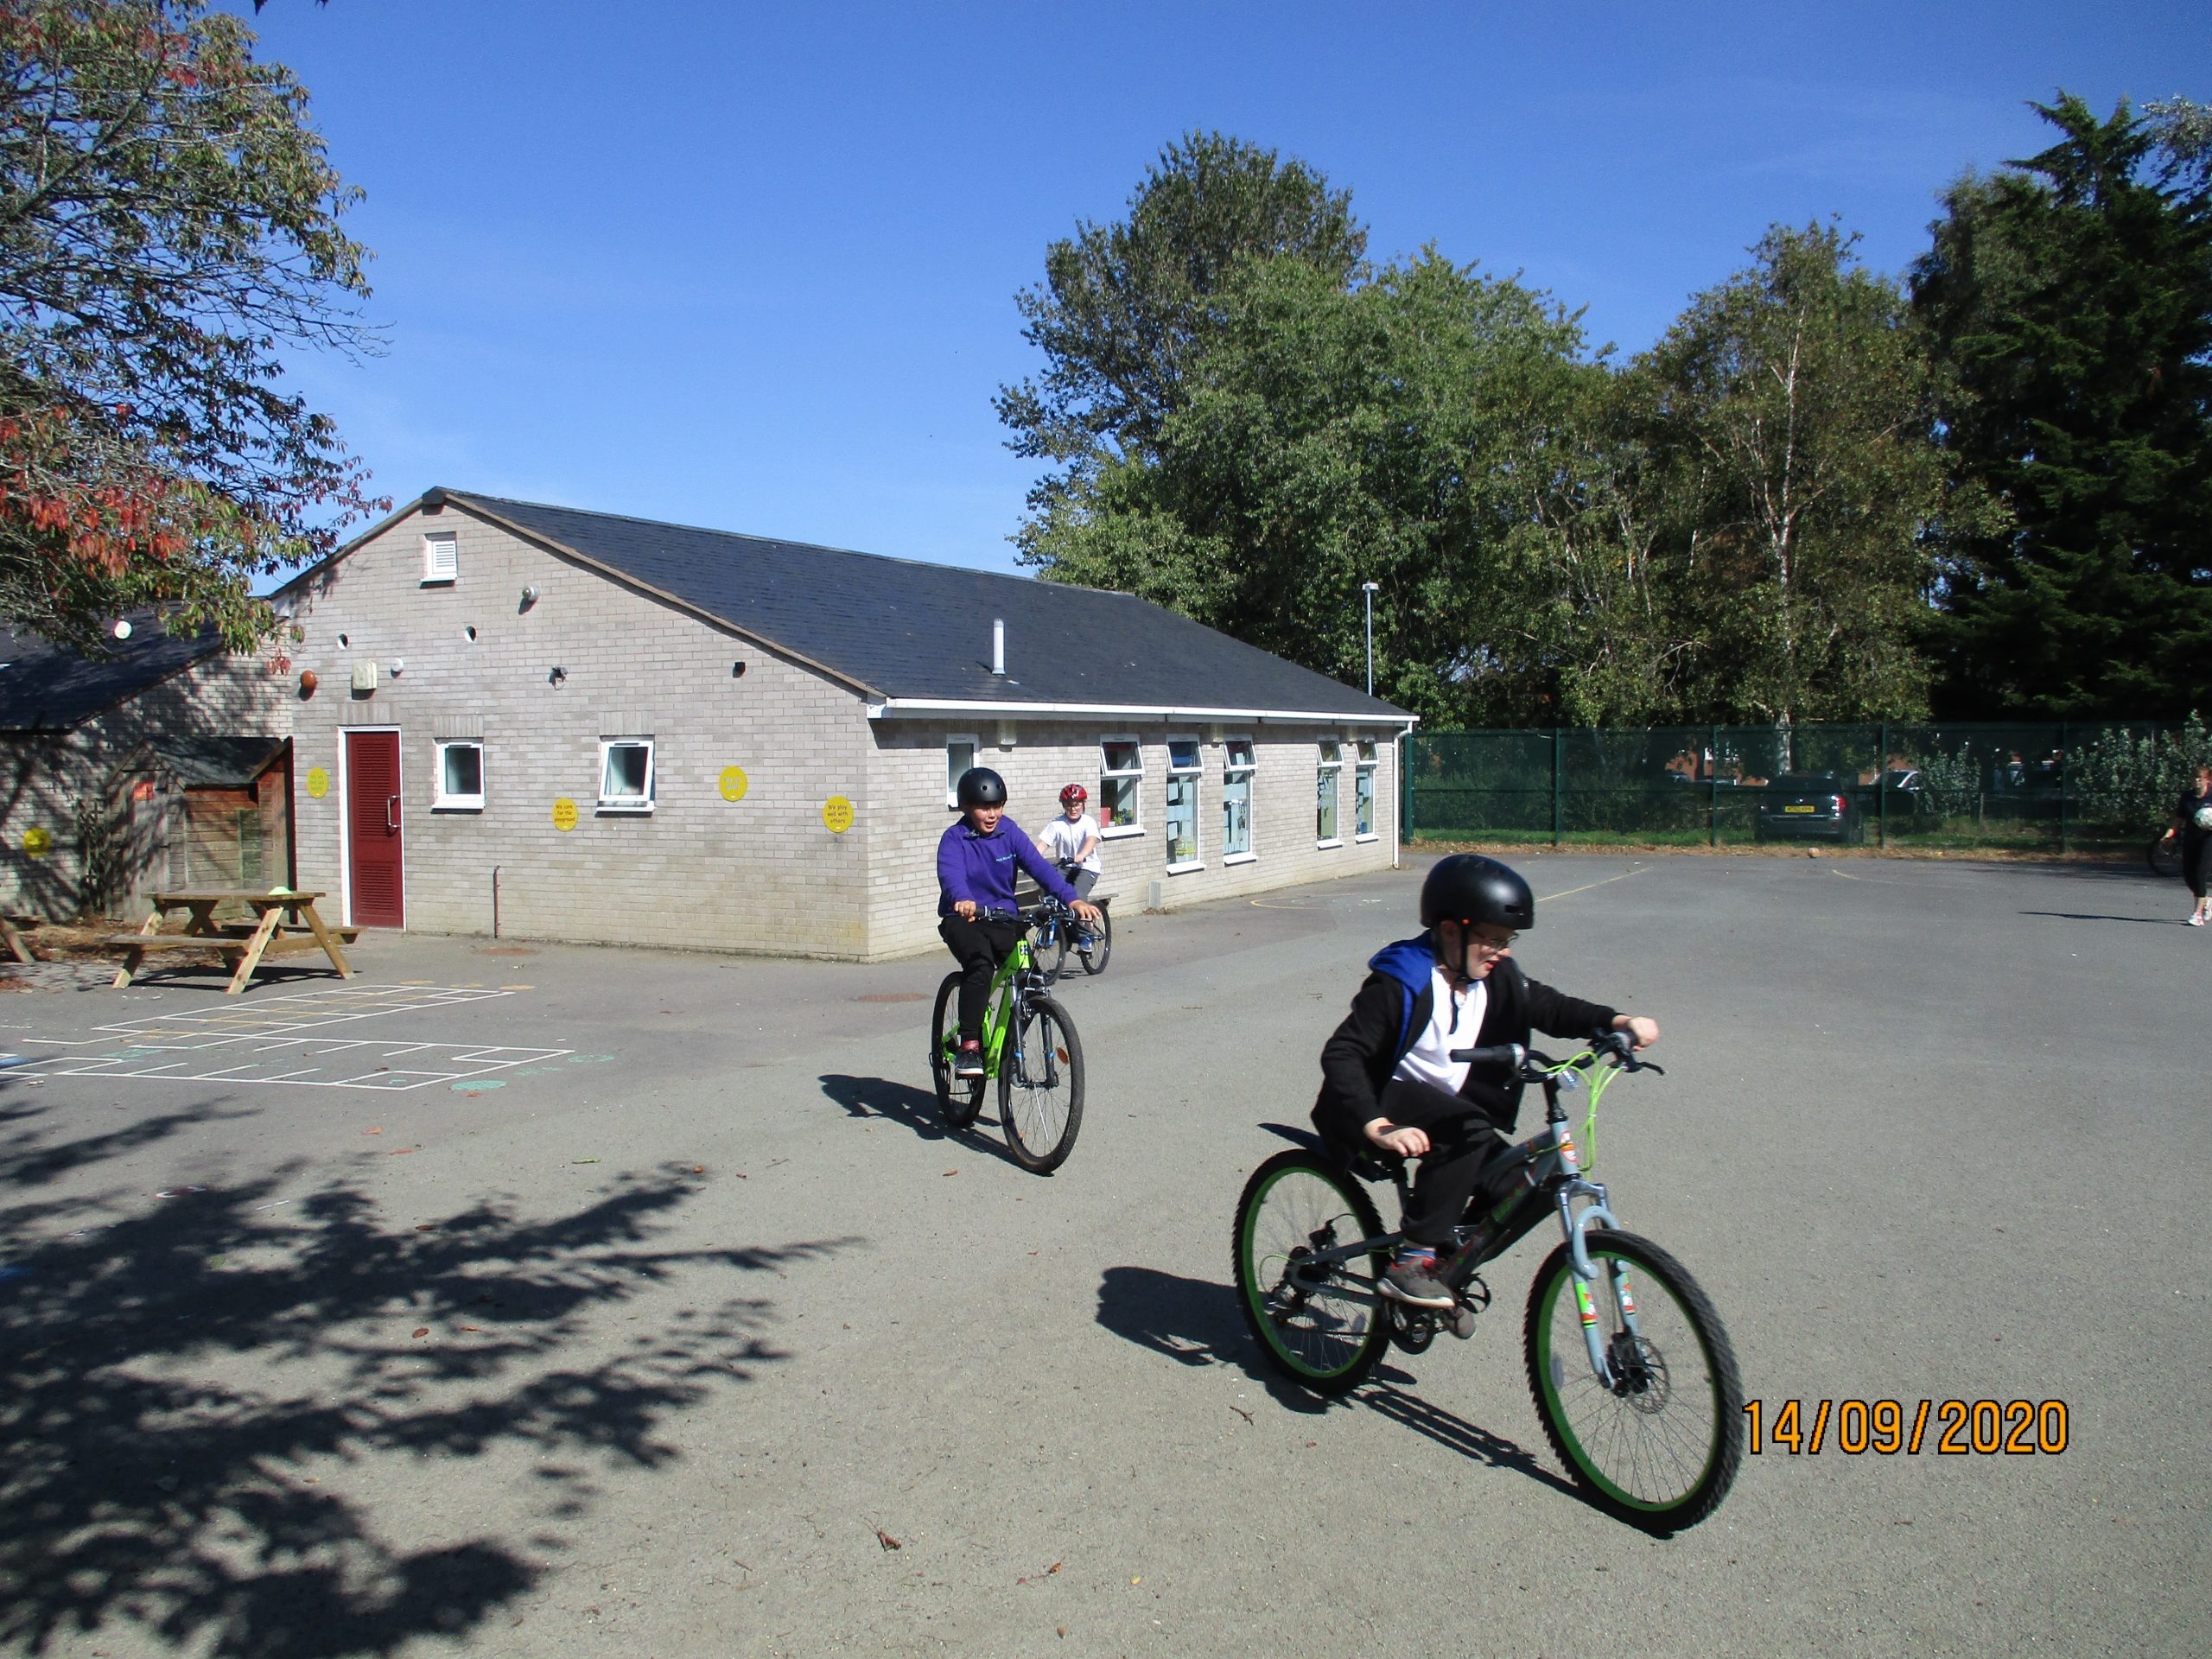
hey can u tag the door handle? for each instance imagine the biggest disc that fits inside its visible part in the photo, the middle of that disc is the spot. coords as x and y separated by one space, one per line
391 815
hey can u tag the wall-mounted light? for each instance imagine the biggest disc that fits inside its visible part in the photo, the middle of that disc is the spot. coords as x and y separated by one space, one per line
399 666
558 674
528 597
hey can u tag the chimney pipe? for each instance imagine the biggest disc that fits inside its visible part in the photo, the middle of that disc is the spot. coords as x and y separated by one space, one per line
998 645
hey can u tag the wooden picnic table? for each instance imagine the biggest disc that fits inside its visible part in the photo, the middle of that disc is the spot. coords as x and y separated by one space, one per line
285 925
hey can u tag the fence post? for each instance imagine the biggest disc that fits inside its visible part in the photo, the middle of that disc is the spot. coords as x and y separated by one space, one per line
2065 839
1712 789
1559 766
1882 790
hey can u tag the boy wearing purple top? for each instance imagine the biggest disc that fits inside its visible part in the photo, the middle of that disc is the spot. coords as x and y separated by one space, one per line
976 862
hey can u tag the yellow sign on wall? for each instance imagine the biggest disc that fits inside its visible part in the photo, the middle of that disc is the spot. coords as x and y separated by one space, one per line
38 840
564 815
837 815
318 782
733 782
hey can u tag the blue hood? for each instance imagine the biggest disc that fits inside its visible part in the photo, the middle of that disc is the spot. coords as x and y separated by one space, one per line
1410 962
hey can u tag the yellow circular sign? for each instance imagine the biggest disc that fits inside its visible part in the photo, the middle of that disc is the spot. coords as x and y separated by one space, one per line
37 840
318 782
564 815
733 782
838 814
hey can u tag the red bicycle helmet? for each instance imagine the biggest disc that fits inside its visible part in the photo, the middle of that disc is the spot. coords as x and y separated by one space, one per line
1075 792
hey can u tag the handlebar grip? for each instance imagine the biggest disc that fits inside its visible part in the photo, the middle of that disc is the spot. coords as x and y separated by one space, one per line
1506 1054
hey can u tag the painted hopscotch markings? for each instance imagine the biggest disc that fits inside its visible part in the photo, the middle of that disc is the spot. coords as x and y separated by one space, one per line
291 1039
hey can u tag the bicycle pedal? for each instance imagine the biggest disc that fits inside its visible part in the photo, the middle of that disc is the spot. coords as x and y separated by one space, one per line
1460 1322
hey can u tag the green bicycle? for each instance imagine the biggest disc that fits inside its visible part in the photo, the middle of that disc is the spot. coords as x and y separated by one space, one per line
1636 1387
1030 1047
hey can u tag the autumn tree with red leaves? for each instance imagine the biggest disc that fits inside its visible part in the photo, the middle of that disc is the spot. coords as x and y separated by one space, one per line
169 224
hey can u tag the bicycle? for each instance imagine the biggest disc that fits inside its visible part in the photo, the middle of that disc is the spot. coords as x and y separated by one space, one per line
1054 929
1636 1387
2164 856
1029 1046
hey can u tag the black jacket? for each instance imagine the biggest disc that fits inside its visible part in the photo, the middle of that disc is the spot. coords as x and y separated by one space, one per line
1393 1007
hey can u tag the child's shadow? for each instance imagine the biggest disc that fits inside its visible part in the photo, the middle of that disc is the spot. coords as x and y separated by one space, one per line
903 1103
1195 1323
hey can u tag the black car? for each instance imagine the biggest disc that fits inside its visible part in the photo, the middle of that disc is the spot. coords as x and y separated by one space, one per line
1809 806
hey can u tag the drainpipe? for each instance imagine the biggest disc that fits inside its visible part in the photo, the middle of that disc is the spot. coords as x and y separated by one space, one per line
495 901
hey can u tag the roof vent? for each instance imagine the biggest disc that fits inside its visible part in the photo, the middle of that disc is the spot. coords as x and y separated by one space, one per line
998 645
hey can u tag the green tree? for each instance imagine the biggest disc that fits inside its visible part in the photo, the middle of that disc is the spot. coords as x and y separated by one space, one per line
168 222
2070 295
1125 308
1326 435
1791 409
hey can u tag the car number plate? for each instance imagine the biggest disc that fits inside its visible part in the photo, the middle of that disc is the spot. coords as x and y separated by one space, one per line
1801 808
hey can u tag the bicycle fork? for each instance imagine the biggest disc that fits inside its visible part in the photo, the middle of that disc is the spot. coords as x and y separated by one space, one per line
1576 1224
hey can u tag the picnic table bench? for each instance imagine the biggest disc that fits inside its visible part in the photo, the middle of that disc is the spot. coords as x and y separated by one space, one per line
286 925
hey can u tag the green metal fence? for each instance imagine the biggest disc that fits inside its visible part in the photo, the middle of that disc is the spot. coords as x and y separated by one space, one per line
2059 788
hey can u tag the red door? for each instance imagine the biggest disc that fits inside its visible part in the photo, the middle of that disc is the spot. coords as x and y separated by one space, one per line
372 829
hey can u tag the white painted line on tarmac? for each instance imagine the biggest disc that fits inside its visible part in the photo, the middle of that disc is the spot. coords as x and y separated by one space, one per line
1585 887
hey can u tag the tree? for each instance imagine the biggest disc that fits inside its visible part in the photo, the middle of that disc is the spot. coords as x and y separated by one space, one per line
1325 435
2071 296
1125 308
169 221
1792 410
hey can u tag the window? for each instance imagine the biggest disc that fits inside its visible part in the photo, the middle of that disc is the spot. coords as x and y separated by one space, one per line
1121 770
625 775
1324 794
460 776
1363 796
1236 801
1183 804
441 558
959 756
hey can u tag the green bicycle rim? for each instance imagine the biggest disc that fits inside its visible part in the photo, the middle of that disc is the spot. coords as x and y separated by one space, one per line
1254 1295
1556 1407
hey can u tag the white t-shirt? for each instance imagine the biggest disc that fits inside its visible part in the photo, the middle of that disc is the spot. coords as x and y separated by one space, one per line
1063 839
1455 1022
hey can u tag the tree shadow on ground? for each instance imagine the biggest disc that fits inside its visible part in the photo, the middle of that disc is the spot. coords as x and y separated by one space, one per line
180 1374
903 1103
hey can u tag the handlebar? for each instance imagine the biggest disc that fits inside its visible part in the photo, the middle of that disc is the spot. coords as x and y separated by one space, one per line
1529 1066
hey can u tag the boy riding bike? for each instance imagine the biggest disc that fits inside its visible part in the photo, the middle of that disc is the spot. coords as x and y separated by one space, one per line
1071 841
975 859
1387 1076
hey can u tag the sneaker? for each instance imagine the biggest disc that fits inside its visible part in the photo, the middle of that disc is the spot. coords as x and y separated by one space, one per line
1412 1280
2196 921
968 1063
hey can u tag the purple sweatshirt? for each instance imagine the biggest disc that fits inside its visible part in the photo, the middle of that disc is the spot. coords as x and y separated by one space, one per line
972 865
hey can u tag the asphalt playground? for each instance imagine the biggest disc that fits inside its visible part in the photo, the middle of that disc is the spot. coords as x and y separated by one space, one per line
534 1300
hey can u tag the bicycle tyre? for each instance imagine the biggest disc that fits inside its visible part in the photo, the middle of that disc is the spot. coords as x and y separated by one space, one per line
1040 1087
1290 1200
2164 856
1093 955
958 1099
1610 1443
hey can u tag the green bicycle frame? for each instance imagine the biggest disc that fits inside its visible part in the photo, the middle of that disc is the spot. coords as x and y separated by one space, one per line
998 1013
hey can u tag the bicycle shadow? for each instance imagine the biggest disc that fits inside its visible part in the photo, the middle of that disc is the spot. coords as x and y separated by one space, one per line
909 1107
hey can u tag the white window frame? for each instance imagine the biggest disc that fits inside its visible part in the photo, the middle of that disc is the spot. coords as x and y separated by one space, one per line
637 806
1120 831
441 802
441 558
1363 764
1195 775
1329 763
953 741
1231 773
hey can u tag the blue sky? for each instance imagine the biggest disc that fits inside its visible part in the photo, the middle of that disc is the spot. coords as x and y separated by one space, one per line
753 268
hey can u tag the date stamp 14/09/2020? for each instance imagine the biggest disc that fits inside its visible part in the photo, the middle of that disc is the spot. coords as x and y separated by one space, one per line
1954 1429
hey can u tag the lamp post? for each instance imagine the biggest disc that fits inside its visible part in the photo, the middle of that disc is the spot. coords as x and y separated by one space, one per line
1368 589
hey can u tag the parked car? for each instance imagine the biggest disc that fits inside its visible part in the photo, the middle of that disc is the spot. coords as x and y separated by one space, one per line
1809 806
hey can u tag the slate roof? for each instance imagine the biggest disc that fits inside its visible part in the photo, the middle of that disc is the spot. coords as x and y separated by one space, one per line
48 688
201 760
897 628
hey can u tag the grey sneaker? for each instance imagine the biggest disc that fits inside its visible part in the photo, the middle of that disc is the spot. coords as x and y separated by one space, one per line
1412 1280
968 1063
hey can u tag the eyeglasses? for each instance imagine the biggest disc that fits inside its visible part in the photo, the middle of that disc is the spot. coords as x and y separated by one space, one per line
1478 940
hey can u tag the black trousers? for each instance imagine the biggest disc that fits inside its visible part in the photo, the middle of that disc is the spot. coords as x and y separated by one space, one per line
2196 860
979 947
1461 1140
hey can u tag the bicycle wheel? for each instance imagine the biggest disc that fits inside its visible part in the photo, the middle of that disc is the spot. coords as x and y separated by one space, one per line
2163 857
958 1098
1659 1449
1094 945
1040 1087
1321 1326
1048 944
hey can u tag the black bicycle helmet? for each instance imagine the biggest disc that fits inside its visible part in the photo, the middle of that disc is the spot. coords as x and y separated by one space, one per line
1474 891
980 786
